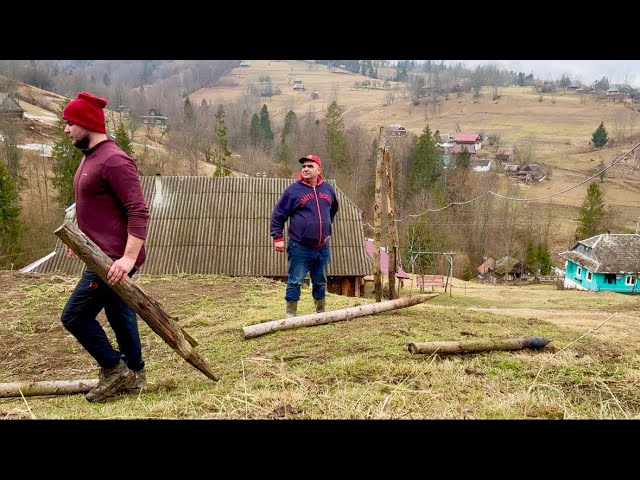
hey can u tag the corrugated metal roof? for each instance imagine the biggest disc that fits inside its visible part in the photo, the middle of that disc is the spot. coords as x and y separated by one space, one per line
612 253
220 225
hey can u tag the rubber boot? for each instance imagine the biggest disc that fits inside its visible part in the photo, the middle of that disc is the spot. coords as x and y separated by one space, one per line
319 302
292 308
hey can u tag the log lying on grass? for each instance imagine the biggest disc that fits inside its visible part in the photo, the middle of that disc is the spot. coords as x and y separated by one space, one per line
53 387
146 307
469 346
258 329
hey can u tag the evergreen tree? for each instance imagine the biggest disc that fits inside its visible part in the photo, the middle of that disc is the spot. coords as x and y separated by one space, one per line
463 159
11 152
531 257
255 132
336 137
188 113
265 129
426 165
66 159
221 151
544 259
592 213
600 136
9 217
122 139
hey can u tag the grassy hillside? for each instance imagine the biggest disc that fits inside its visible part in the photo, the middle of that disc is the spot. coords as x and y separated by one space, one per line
356 369
555 128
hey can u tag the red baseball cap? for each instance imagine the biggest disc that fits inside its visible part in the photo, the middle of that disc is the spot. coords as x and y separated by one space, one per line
313 158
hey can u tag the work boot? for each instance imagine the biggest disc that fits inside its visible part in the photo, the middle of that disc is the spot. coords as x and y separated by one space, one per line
140 382
111 381
319 302
292 308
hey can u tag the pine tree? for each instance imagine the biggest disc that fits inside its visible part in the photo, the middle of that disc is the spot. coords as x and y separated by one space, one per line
600 136
288 140
255 132
592 213
336 137
426 165
265 129
189 114
531 257
66 160
544 259
122 139
221 152
9 217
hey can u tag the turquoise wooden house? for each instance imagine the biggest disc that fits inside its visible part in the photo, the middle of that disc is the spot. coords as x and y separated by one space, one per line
606 262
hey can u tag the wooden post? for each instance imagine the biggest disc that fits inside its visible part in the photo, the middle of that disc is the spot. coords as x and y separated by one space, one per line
377 219
52 387
470 346
392 246
147 308
313 319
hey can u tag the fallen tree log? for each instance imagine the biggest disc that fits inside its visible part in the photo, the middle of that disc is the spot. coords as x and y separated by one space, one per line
53 387
258 329
146 307
469 346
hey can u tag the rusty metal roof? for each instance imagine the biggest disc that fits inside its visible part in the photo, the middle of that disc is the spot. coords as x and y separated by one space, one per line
220 225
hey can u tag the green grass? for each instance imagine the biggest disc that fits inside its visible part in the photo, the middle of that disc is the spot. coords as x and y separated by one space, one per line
355 369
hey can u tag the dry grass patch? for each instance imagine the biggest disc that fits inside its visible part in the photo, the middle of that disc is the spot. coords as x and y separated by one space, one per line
356 369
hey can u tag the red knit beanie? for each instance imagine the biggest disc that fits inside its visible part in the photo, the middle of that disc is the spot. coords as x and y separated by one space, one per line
86 111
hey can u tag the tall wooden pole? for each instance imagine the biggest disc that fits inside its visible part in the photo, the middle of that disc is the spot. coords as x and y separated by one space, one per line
377 219
392 246
147 308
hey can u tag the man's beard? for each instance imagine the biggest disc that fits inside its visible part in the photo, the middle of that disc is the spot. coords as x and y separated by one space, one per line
82 143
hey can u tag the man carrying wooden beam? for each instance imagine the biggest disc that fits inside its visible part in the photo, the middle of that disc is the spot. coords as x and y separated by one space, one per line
111 211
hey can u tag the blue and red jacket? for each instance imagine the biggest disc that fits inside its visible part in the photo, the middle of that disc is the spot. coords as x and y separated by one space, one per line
310 211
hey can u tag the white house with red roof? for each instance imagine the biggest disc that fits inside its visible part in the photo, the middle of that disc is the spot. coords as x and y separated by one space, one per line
468 139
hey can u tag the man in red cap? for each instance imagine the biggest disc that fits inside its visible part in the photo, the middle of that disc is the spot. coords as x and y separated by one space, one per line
310 204
111 211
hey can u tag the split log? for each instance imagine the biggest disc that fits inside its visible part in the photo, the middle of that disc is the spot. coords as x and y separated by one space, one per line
470 346
147 308
313 319
53 387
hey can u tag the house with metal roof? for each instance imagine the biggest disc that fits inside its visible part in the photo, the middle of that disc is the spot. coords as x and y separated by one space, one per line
220 225
605 262
9 107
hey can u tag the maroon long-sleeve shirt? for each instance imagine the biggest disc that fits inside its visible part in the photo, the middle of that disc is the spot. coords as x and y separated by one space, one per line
109 200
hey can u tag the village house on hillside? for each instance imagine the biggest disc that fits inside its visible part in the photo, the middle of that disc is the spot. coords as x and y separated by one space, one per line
605 262
220 225
395 130
154 118
483 269
507 269
468 140
505 154
9 107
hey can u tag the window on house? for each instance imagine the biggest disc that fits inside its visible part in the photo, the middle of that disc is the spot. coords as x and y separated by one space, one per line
610 278
589 276
579 272
630 280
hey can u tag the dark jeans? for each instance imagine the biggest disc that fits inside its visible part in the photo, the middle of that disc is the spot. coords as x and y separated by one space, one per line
90 296
303 259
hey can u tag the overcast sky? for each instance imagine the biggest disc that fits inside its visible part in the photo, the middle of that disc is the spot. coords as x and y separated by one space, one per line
586 71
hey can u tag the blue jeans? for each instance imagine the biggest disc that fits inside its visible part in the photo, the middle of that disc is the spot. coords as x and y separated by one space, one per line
303 259
90 296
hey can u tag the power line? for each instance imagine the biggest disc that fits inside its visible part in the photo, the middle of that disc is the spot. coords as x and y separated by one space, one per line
516 199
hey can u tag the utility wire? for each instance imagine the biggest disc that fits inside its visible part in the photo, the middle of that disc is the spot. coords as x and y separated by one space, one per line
516 199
